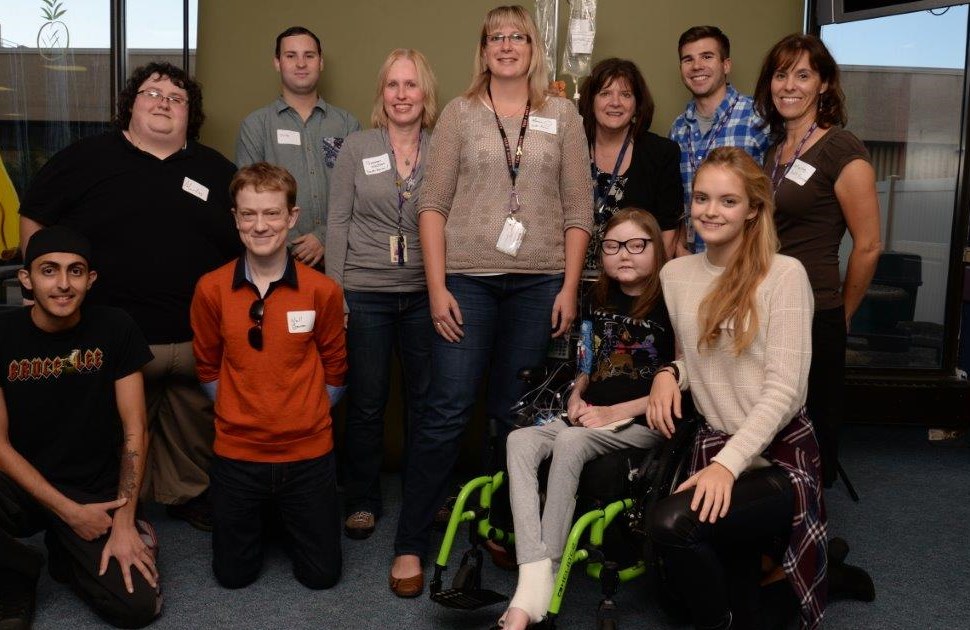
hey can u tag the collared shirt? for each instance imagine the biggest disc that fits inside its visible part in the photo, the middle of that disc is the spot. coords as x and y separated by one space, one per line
308 150
241 275
735 124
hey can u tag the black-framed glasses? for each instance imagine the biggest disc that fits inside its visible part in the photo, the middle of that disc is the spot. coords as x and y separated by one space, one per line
517 39
155 95
256 332
632 245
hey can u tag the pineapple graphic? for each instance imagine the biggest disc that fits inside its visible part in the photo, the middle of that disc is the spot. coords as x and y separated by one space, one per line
53 38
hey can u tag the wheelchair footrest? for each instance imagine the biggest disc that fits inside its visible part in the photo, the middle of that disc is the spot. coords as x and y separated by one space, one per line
468 599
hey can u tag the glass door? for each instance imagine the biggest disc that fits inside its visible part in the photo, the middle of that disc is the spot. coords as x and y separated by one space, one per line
904 80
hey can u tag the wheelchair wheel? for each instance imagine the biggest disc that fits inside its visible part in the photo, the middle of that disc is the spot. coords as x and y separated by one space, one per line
464 578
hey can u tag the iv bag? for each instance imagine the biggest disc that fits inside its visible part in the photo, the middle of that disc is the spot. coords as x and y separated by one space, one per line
578 54
547 21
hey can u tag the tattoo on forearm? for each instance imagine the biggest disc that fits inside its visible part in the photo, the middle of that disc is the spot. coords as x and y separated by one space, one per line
128 477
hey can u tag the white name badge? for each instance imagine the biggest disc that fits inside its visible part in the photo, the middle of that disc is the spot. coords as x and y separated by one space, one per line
800 172
286 136
375 165
300 321
195 188
547 125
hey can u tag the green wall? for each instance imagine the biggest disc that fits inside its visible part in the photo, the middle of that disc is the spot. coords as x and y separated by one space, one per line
235 47
235 66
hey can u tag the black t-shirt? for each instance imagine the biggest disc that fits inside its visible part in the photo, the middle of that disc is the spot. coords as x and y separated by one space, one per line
60 394
156 226
625 352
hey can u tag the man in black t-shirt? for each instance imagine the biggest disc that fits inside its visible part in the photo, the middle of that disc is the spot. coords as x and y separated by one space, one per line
72 442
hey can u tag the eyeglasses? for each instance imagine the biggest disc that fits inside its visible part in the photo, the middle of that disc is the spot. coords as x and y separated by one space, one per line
256 332
632 245
517 39
173 99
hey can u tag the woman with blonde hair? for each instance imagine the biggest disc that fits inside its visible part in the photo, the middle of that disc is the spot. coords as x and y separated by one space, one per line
742 316
374 252
505 216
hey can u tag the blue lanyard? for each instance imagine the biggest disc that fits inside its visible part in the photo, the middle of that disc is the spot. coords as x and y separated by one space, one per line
601 199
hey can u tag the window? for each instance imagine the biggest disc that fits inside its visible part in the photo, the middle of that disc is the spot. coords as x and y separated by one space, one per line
55 78
904 77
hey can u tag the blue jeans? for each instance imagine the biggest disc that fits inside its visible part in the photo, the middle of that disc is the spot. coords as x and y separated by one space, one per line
507 328
378 324
305 494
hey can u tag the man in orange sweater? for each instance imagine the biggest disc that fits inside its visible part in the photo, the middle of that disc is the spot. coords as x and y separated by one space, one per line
269 347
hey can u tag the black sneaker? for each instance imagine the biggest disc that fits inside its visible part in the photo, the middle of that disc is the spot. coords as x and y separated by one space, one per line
17 596
196 512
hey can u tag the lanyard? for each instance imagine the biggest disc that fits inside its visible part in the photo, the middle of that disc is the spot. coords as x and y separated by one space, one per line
775 179
408 183
513 167
713 136
600 199
404 194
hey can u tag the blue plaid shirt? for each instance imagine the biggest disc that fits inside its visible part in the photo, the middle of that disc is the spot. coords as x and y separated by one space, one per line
735 124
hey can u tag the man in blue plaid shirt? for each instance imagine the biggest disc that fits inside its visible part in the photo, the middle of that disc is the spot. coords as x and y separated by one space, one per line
717 116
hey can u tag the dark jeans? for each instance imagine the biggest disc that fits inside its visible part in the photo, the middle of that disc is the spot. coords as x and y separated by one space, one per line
507 327
77 559
716 568
305 495
826 386
380 323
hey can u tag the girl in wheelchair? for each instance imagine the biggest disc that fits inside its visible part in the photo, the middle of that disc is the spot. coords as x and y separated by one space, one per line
626 338
742 315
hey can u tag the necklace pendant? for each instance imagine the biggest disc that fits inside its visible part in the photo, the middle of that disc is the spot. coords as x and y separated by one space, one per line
406 194
518 151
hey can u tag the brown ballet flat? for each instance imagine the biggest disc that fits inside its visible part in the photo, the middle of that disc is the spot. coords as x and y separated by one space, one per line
407 587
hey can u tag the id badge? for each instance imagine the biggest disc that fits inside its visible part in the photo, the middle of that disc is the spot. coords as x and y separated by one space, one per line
510 240
399 248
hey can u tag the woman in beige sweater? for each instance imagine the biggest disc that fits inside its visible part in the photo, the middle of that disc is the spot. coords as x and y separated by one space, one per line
505 216
742 316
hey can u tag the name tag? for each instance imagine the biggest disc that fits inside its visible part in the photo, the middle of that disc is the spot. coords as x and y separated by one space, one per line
800 172
300 321
547 125
375 165
285 136
193 187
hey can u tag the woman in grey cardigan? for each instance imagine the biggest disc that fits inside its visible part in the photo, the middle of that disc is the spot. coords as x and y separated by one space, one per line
374 253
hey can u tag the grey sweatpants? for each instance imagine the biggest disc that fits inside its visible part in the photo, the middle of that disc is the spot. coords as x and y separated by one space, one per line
570 447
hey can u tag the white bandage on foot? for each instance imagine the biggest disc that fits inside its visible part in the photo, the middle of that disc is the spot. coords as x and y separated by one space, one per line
534 590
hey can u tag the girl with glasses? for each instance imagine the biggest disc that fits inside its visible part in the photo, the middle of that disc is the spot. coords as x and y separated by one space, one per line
627 337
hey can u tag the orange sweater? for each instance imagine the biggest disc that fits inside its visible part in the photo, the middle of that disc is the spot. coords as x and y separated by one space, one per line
271 404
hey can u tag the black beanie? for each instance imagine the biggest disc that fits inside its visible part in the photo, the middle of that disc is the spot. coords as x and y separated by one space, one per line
57 238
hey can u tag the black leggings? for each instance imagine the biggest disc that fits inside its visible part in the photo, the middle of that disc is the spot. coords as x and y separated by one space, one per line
715 569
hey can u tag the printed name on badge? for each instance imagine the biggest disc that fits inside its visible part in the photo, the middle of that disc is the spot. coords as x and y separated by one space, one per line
547 125
287 136
800 172
375 165
300 321
193 187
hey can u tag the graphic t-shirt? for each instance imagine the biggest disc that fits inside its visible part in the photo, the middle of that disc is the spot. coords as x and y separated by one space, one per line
60 394
621 354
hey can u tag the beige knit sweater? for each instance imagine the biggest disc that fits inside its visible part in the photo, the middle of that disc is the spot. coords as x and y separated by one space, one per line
467 180
752 396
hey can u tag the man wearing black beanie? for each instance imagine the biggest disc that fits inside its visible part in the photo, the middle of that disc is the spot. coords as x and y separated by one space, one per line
72 442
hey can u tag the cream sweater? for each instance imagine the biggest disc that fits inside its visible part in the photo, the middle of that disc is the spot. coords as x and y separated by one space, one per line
467 180
752 396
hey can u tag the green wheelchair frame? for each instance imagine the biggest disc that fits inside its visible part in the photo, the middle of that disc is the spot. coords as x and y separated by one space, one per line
657 476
